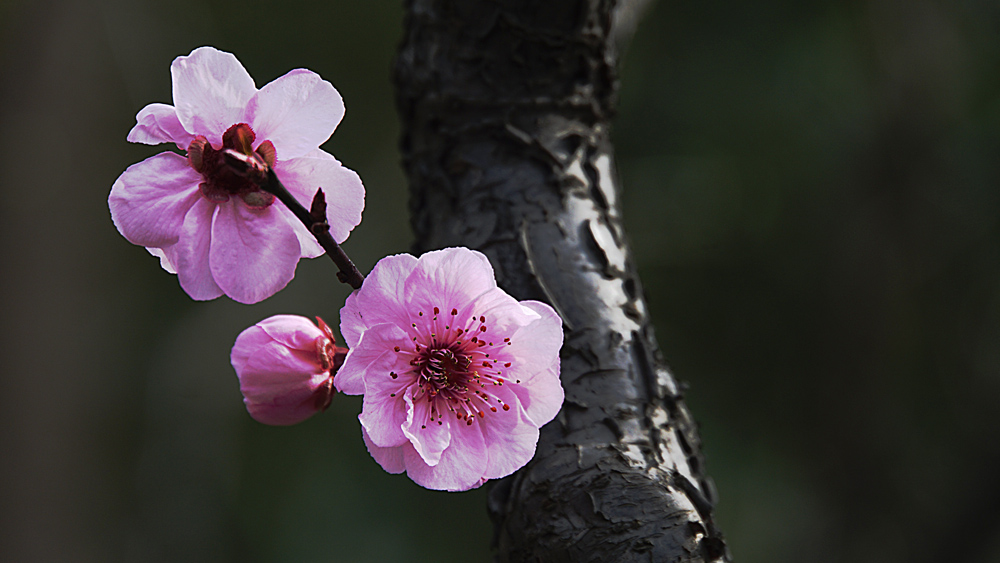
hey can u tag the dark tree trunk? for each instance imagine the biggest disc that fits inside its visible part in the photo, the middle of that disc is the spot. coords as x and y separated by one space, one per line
506 107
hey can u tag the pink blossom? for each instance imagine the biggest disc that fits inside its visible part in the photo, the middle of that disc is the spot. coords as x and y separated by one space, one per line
216 230
457 376
286 366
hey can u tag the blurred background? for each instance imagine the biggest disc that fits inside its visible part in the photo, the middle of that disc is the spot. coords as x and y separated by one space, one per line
811 189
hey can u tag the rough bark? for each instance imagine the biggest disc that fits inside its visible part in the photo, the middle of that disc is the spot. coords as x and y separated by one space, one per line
505 107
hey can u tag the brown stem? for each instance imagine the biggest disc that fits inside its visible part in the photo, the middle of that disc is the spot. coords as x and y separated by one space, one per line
254 168
315 221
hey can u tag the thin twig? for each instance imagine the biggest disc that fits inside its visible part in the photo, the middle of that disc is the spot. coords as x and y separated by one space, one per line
258 172
315 221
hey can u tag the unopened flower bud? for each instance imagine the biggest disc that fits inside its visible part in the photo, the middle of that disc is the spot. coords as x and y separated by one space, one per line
286 366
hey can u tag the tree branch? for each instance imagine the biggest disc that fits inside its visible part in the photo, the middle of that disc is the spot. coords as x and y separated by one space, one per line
256 170
505 108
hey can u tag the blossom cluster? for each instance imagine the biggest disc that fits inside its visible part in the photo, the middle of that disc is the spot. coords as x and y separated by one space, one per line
456 375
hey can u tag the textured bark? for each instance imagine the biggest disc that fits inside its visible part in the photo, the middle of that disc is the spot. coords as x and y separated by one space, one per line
505 108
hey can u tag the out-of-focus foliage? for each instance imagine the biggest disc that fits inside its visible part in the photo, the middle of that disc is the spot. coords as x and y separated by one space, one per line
811 192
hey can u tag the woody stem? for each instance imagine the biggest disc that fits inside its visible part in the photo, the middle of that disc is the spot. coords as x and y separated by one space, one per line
317 225
254 168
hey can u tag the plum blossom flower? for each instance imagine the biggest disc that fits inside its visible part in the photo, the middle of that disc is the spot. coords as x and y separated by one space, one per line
457 376
285 365
212 227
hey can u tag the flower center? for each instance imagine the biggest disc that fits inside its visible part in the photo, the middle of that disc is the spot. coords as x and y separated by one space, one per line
442 369
458 367
221 181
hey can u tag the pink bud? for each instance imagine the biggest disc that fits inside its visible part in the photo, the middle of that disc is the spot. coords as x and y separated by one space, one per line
286 366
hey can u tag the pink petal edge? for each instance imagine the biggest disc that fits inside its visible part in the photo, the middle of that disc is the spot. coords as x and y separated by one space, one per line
158 123
342 189
210 90
297 112
150 200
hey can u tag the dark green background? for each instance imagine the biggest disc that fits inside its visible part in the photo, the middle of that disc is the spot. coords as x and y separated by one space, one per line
811 190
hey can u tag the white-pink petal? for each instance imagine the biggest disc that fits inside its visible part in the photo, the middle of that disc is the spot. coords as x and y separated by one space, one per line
452 275
158 123
254 252
504 314
363 353
211 90
383 418
190 254
510 436
380 299
308 247
150 199
165 262
274 374
538 342
391 459
291 331
383 411
297 112
342 188
429 437
461 467
541 394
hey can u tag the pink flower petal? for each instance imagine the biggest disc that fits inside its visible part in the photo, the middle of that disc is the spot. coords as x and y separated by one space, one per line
278 372
158 123
461 467
308 247
342 188
279 385
541 394
363 353
538 342
380 297
457 275
211 89
254 252
297 112
391 459
504 314
429 437
150 199
383 419
292 331
510 437
383 411
190 255
164 261
352 321
537 348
